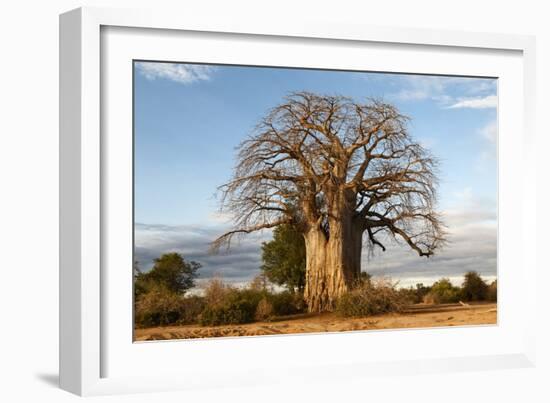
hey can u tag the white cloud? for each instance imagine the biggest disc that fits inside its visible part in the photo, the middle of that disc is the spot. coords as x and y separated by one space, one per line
180 73
486 161
464 196
490 131
441 89
423 87
489 101
220 218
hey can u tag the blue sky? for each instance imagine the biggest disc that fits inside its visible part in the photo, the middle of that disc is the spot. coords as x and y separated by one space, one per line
190 118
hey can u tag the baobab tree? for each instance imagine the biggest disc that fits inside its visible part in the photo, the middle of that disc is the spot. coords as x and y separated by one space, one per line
342 172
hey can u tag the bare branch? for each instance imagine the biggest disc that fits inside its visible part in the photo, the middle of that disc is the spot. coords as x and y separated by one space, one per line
314 159
226 238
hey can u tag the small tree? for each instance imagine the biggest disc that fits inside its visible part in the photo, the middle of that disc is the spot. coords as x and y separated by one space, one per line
172 272
474 288
284 258
443 292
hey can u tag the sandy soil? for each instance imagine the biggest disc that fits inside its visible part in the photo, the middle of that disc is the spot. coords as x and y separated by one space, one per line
417 316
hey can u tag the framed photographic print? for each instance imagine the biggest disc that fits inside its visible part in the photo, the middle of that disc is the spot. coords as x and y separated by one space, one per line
332 185
318 197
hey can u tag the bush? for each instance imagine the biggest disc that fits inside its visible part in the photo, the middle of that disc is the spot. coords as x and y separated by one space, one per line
158 306
415 295
238 306
264 310
474 288
261 283
491 294
443 292
190 310
216 291
371 298
224 305
287 303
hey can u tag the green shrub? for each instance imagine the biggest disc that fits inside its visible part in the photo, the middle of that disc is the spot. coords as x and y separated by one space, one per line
474 288
491 294
156 307
287 303
410 295
371 298
251 296
161 307
443 292
238 306
190 310
225 305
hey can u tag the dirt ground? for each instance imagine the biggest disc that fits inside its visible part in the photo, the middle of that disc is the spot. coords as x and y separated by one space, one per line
417 316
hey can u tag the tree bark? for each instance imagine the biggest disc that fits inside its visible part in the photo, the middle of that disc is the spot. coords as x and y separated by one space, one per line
316 293
333 263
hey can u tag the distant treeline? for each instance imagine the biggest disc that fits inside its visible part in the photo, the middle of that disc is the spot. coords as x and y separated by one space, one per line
161 295
473 288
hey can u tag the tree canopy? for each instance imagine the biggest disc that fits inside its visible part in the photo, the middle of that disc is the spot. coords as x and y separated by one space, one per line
474 287
284 258
170 271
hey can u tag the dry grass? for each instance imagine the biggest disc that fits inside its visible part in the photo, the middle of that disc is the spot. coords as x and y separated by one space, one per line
216 291
371 298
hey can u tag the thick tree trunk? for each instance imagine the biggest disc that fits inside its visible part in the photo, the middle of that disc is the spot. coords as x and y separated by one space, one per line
333 264
355 249
316 293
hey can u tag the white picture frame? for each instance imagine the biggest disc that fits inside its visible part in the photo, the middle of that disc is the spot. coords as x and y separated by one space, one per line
88 330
